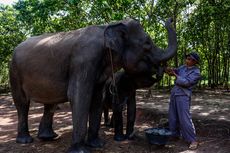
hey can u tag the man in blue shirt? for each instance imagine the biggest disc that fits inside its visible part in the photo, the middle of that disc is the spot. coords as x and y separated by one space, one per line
180 121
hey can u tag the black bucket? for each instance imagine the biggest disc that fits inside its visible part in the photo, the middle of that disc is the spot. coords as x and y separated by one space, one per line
158 136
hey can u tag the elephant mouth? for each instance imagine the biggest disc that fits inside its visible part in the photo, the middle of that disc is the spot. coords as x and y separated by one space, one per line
141 80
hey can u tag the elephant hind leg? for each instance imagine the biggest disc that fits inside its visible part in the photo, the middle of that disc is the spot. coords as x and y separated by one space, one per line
46 125
22 104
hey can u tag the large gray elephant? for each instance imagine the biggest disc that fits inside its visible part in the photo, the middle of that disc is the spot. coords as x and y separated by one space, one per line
73 66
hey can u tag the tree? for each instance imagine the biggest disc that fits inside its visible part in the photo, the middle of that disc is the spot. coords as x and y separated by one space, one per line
11 35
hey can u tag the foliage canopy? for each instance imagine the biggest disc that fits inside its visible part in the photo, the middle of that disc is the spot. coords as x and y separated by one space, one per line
201 26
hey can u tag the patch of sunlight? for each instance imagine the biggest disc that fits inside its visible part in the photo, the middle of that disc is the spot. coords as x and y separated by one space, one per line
13 111
62 115
160 107
159 96
204 114
143 126
32 108
141 90
35 115
189 151
6 138
5 121
140 97
213 111
197 107
225 109
222 118
197 99
65 128
3 137
141 103
170 145
109 132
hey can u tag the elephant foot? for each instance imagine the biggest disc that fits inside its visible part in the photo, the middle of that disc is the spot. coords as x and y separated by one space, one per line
78 148
96 143
24 139
120 137
47 135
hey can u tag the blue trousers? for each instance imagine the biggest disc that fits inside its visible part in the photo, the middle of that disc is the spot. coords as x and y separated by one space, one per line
180 121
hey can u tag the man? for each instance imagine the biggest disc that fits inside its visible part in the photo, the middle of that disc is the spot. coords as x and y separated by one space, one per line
180 121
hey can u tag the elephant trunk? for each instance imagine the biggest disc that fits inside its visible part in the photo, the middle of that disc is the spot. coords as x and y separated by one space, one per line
163 55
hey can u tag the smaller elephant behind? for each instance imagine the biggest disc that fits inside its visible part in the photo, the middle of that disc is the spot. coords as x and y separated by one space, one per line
122 94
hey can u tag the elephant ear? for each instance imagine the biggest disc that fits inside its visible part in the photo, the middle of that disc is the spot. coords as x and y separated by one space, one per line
115 36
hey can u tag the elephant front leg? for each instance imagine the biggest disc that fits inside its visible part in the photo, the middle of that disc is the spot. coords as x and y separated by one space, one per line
80 95
45 128
118 122
95 114
131 116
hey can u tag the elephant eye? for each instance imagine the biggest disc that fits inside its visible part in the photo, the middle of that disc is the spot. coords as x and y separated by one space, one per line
147 47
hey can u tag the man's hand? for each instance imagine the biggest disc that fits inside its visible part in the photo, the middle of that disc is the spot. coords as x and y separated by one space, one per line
174 73
171 71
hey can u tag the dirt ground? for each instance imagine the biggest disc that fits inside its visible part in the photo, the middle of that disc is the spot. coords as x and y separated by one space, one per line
210 110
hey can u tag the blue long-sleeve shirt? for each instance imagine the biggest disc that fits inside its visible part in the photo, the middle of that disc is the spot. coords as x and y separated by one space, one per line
187 78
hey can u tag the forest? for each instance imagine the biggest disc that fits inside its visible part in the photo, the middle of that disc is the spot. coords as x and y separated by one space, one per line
201 26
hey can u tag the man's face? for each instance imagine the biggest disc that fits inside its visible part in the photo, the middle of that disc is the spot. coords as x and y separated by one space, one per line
190 61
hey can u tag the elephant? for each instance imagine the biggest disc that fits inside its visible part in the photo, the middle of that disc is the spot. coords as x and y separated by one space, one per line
73 67
125 94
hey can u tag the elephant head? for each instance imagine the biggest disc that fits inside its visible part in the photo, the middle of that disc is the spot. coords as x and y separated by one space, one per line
141 59
135 47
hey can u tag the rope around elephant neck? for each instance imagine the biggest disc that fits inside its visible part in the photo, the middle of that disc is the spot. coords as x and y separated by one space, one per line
113 84
111 62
